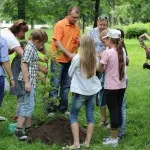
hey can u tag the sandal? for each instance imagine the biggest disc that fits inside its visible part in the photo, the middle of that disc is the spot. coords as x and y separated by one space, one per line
71 147
83 145
103 123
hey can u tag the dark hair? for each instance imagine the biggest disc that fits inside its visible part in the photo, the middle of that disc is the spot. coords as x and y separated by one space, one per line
39 35
76 8
23 43
122 36
19 25
119 43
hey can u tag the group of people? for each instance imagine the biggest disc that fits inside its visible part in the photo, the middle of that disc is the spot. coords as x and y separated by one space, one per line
94 74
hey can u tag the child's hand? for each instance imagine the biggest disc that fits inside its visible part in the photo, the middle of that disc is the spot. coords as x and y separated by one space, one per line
99 55
12 83
27 87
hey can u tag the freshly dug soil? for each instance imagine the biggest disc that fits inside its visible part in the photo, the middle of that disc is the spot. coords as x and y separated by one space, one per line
56 131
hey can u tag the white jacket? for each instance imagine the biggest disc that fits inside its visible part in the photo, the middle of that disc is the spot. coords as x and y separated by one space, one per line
79 83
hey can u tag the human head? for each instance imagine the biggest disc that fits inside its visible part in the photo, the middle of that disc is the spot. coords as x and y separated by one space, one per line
73 14
19 28
112 39
39 37
87 55
102 23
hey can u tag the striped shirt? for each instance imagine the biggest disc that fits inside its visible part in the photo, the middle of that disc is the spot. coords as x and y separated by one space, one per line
30 56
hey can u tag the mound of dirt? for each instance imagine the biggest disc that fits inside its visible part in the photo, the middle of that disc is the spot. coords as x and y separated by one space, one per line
56 131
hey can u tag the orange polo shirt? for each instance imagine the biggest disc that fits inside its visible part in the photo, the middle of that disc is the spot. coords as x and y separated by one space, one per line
68 35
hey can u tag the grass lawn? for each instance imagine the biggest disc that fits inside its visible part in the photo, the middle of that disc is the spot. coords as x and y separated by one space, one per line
137 104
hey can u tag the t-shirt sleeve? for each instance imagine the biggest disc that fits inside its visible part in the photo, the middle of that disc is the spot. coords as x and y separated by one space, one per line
105 57
58 32
3 51
12 42
73 65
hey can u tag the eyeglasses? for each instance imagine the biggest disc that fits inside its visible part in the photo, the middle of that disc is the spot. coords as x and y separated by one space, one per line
74 17
102 18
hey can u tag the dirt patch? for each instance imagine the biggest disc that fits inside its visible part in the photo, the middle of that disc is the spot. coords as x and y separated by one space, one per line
56 131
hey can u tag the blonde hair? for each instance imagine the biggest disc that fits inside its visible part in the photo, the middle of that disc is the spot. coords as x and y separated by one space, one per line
87 56
40 35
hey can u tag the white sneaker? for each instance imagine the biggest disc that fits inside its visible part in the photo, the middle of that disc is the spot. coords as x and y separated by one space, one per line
2 118
110 141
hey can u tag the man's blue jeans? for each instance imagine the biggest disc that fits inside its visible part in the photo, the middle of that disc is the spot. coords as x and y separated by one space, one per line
60 83
2 83
123 109
77 102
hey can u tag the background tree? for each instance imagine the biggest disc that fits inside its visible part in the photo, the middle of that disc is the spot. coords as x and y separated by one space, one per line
21 9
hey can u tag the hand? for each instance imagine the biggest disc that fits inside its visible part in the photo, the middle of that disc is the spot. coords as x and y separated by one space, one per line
99 55
27 87
12 83
71 55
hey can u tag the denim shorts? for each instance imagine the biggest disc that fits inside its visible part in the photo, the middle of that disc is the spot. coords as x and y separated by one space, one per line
28 103
77 102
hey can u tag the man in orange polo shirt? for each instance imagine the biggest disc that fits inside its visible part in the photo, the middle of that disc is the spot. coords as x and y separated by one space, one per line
64 45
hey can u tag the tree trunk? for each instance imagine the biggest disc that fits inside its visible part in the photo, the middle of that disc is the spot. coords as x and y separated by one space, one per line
32 24
83 23
96 14
21 9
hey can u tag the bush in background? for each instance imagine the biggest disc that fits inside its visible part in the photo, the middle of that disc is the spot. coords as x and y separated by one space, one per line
135 30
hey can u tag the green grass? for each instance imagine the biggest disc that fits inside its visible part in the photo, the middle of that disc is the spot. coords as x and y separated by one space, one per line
138 111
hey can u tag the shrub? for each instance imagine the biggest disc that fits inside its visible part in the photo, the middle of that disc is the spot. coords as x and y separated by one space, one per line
135 32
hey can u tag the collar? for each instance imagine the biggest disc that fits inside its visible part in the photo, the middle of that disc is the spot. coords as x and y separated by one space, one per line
67 22
32 45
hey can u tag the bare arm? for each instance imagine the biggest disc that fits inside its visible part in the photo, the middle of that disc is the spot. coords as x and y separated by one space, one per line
61 47
18 50
24 68
145 35
101 67
9 72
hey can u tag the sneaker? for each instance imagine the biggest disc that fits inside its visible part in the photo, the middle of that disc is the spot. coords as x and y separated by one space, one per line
20 135
71 147
2 118
110 141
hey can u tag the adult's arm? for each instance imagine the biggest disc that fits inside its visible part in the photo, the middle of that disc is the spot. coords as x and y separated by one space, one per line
61 47
18 50
7 67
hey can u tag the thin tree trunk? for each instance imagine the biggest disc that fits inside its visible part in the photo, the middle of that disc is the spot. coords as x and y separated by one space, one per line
21 9
97 3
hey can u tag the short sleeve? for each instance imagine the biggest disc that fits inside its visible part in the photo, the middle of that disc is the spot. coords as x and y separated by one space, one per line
27 55
3 50
105 57
12 41
58 32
